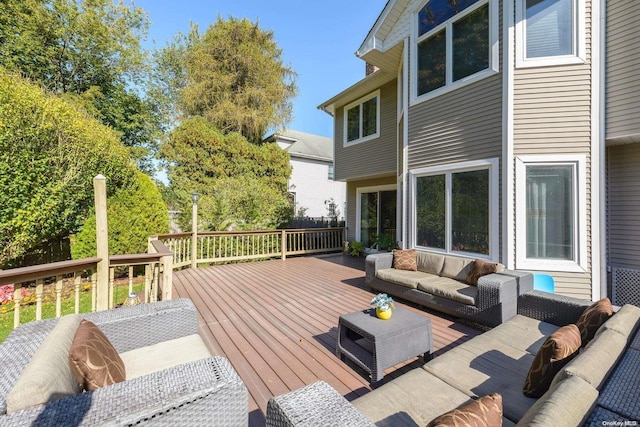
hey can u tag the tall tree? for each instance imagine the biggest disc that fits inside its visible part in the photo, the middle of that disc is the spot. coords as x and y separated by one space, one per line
89 50
242 185
233 75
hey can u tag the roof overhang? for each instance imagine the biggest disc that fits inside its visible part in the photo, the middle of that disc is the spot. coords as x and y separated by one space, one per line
376 49
365 86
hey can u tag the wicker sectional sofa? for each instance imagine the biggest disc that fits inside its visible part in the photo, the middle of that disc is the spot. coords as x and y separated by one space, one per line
601 386
171 377
440 283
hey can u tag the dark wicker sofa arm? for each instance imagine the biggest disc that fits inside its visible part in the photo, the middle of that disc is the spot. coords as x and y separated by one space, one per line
551 308
494 289
375 262
206 391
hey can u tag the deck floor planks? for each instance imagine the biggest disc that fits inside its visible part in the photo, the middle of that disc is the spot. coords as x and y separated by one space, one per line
276 321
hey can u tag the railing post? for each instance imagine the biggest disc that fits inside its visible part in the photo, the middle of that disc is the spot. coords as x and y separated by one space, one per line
194 231
283 244
167 277
102 242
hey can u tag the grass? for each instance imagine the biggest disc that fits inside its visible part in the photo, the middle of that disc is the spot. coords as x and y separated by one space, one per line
28 312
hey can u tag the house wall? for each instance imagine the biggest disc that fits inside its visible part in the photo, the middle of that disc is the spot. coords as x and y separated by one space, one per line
373 157
623 70
623 205
309 180
552 116
352 187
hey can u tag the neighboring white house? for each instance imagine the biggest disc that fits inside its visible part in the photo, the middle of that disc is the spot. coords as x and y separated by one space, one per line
311 186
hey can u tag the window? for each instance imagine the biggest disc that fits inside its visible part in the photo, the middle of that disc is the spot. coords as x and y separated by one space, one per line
376 213
548 213
362 119
331 174
550 32
454 208
455 42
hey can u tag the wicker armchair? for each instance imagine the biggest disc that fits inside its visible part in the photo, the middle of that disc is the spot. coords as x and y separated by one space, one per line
201 392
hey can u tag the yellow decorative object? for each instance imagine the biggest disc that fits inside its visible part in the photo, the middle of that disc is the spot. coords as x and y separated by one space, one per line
383 314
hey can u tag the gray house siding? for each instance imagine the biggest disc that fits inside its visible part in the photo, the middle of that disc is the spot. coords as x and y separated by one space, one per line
552 116
374 157
462 125
623 71
623 205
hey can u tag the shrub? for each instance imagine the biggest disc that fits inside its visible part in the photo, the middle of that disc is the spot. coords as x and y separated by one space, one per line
134 213
49 153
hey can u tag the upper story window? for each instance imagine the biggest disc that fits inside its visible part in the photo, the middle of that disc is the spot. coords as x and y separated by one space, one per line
362 119
550 32
457 42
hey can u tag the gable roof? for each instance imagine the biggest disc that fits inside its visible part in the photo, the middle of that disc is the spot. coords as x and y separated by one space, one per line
376 49
304 145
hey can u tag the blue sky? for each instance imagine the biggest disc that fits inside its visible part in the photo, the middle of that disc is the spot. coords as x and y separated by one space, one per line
318 40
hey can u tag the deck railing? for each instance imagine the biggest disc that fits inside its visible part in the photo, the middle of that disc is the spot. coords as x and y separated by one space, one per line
55 281
227 246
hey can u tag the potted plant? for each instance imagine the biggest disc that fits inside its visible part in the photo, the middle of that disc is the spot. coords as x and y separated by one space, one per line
384 304
385 242
356 248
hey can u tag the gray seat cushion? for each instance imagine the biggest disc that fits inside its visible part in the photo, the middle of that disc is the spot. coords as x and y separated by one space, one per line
568 403
429 262
450 289
523 333
415 397
405 278
485 365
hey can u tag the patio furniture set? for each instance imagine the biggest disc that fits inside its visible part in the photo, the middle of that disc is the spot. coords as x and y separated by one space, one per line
169 377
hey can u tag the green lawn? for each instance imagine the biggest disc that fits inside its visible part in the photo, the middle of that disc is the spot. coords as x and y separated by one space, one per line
28 312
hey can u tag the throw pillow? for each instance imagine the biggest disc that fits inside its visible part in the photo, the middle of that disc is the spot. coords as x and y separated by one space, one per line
479 269
557 350
405 259
93 359
484 412
592 318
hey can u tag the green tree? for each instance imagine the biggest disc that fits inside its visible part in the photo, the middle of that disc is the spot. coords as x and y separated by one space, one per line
49 154
232 75
242 185
90 50
134 213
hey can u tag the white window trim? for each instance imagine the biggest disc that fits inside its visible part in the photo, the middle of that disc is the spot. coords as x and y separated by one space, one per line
580 209
346 119
359 192
579 43
490 164
494 52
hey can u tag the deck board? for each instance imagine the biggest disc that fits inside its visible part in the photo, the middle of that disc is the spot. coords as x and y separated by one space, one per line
276 321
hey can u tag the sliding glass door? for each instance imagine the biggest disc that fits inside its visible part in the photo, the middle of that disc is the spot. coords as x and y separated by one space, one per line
377 215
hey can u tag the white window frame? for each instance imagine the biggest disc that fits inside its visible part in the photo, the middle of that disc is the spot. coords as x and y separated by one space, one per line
579 44
579 263
492 165
359 102
450 85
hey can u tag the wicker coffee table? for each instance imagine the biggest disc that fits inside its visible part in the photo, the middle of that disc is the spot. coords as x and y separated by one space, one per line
375 344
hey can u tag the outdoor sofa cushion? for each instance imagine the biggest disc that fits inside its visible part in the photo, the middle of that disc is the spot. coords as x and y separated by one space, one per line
556 351
429 262
93 360
164 355
484 412
48 376
592 318
449 288
405 259
406 278
523 333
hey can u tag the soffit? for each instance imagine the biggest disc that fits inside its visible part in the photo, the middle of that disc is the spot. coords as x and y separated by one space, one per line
363 87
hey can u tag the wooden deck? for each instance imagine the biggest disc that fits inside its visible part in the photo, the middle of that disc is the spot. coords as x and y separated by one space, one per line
276 321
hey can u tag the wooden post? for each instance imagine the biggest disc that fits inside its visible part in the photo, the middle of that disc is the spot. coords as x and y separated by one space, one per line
167 277
283 244
102 243
194 231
